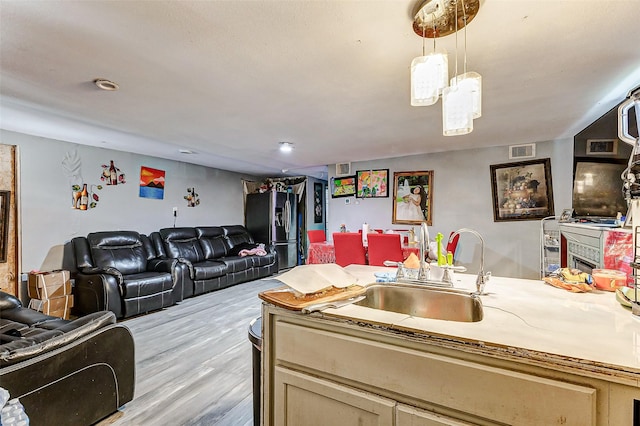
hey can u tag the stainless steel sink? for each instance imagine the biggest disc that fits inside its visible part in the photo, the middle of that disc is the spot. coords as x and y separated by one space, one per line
424 302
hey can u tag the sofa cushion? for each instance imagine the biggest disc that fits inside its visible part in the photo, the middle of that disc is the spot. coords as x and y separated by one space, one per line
209 269
237 234
237 263
121 250
145 284
182 243
213 241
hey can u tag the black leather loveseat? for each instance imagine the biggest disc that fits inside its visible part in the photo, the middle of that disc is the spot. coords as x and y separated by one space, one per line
65 372
212 256
119 271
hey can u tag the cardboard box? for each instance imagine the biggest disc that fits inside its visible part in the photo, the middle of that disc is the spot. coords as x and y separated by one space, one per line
48 285
57 307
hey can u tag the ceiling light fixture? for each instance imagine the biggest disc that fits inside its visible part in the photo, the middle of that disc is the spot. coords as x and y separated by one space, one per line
462 100
105 84
286 146
185 151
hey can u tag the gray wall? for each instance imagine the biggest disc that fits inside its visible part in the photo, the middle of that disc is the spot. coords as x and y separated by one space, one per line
48 221
462 198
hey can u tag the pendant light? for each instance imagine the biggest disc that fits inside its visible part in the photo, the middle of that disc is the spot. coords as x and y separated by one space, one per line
462 100
457 100
429 74
470 80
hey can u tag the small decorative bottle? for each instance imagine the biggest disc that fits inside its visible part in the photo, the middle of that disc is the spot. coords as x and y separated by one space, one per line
343 228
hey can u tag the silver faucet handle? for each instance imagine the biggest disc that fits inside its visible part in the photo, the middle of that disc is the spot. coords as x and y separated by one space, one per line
481 281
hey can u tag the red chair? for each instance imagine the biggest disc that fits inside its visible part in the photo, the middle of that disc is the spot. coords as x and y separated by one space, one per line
316 236
384 247
452 244
349 249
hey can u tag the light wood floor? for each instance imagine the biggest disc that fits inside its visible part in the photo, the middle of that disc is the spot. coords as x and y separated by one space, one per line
193 361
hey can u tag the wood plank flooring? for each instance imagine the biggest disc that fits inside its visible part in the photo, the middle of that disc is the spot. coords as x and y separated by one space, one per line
193 361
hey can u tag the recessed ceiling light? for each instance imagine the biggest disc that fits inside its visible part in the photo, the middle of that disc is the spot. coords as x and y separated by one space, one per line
286 146
185 151
105 84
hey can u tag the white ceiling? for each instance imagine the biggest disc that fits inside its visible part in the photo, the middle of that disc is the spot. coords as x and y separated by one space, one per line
231 79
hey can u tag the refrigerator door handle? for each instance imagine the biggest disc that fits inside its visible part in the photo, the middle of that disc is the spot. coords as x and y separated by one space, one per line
287 217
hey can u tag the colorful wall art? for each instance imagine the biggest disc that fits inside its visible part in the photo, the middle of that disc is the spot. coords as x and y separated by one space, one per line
85 196
151 183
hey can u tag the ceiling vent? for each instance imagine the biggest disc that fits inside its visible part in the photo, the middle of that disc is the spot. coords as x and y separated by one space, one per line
517 152
343 169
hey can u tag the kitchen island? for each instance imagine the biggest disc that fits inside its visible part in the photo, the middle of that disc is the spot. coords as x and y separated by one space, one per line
540 355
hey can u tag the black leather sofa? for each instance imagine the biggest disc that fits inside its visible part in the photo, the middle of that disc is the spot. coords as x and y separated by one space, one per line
65 372
119 271
211 256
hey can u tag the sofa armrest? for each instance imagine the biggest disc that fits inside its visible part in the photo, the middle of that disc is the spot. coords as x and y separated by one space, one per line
110 271
162 265
97 292
79 383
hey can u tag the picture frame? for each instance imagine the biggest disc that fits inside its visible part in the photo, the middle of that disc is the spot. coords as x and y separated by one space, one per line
5 199
372 183
318 202
343 186
522 190
566 216
412 197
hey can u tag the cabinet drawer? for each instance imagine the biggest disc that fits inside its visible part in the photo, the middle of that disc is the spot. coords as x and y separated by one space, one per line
484 391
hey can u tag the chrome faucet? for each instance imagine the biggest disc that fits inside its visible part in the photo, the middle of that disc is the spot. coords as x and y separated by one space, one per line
482 278
423 272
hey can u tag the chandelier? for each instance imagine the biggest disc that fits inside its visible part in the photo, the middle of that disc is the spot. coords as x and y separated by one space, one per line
462 95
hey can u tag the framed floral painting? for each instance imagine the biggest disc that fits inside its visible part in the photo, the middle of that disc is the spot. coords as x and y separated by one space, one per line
522 191
412 197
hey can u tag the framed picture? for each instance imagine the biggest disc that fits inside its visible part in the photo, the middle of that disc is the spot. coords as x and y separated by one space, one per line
343 186
566 215
5 197
522 191
412 197
372 183
318 205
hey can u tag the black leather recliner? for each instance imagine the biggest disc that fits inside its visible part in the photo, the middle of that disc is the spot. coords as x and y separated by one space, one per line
210 255
65 372
120 272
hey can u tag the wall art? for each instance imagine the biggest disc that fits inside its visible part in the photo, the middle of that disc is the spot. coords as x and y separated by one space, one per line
318 202
412 197
343 186
151 183
111 175
372 183
192 197
522 191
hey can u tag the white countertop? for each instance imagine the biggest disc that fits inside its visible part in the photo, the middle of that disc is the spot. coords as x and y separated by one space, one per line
590 330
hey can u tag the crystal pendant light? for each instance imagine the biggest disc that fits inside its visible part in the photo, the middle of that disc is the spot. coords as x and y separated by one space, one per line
429 75
457 101
457 112
473 81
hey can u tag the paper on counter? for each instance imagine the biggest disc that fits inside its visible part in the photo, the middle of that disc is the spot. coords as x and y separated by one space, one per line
307 279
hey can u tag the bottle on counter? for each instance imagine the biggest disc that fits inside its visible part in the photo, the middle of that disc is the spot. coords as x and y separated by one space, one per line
343 228
84 197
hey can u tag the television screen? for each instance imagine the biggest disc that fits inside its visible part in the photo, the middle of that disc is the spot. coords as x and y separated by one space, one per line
597 189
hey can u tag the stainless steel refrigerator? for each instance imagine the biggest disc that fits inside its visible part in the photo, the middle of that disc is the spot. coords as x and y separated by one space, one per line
271 218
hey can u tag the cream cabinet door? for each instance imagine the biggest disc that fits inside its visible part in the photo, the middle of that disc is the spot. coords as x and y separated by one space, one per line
301 399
